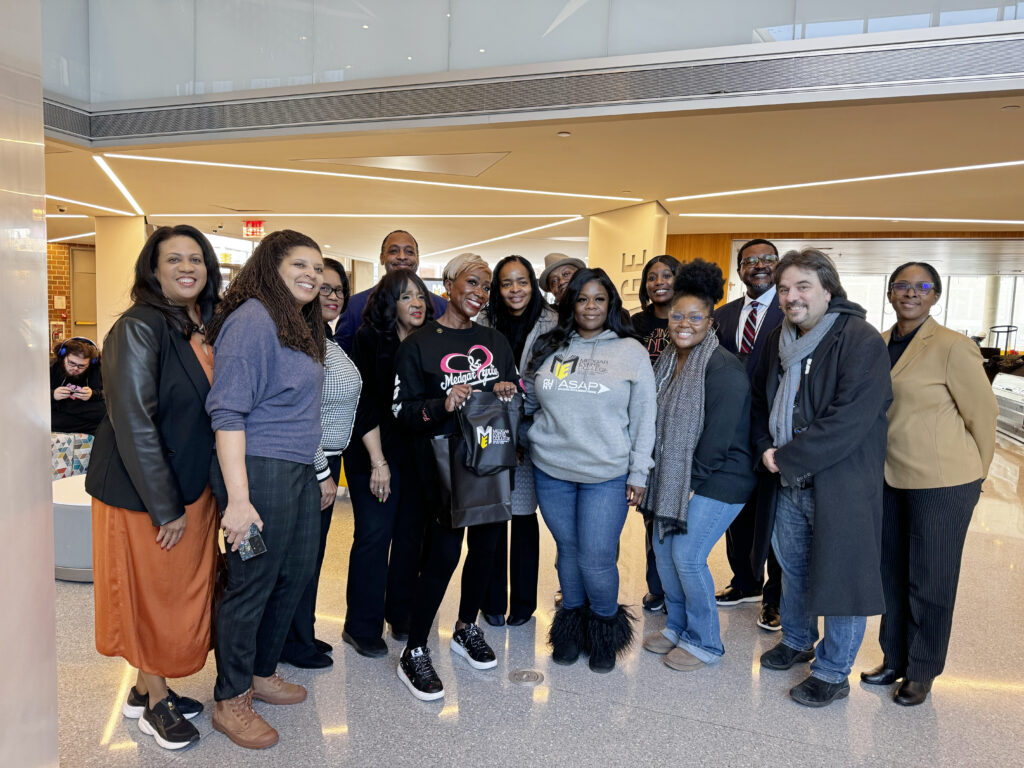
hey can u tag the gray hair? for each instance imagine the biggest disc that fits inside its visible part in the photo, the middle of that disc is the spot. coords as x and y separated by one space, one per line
813 260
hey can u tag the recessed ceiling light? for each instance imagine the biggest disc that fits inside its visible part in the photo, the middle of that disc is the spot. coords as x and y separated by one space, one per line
409 58
502 237
1011 107
303 37
89 205
1015 222
119 184
563 134
482 50
71 237
366 26
340 175
327 245
831 182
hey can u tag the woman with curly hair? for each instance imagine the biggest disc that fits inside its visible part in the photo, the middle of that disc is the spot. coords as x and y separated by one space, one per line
590 389
265 410
387 508
702 466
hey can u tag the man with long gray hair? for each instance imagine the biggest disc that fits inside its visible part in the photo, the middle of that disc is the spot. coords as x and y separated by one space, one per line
820 394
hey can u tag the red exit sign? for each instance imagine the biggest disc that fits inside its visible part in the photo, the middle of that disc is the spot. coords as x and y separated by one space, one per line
252 229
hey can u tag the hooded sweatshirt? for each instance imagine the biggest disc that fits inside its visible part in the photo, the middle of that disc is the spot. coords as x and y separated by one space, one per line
593 406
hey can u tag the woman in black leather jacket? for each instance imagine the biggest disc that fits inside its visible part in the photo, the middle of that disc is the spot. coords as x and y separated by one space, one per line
154 518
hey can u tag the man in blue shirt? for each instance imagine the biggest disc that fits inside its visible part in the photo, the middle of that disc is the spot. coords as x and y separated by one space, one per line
398 251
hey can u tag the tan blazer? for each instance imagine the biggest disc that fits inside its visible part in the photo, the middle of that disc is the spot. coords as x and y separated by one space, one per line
942 421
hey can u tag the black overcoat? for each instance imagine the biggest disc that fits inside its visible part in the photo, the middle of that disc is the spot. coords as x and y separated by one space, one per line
846 391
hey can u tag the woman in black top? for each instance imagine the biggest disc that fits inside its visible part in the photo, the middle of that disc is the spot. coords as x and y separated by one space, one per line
386 500
438 368
520 313
703 469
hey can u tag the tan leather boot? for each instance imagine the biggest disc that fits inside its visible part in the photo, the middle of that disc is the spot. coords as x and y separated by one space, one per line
237 720
274 690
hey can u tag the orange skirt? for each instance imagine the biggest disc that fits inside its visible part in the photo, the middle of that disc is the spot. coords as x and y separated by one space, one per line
153 606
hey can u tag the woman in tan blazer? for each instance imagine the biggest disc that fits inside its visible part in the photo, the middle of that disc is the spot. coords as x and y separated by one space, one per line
942 425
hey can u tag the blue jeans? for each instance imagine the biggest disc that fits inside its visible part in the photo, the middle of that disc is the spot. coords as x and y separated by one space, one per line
794 531
586 521
689 589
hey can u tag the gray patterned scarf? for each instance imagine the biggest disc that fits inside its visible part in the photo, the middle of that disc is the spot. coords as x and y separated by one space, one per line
679 427
792 351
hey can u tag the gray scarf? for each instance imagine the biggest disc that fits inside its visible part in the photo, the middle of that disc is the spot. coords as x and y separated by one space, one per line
679 427
792 351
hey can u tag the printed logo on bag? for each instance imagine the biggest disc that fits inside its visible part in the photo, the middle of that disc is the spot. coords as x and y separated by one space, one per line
476 367
563 366
487 436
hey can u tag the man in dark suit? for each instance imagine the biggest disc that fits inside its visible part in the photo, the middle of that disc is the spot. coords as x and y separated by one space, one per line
743 326
398 251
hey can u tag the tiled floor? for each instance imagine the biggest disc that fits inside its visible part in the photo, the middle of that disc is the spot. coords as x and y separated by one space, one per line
734 714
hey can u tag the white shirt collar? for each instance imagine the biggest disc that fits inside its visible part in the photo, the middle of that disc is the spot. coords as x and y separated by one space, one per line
764 300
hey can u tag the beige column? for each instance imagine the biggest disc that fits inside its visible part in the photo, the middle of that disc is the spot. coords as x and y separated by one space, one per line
362 275
118 242
622 241
28 634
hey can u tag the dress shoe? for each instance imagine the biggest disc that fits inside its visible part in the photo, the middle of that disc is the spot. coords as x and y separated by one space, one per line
322 646
517 621
654 603
312 660
371 647
237 720
880 675
399 633
495 619
732 596
911 692
814 692
769 618
784 657
275 690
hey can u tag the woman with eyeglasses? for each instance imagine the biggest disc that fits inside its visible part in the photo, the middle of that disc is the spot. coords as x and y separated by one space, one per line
703 468
590 389
342 385
387 504
942 425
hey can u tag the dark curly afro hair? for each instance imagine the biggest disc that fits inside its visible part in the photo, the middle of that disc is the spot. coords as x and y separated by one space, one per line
701 279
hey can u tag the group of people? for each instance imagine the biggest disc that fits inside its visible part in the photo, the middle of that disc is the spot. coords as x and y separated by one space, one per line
849 461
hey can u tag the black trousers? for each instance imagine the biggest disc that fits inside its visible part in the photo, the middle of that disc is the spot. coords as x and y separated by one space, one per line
442 549
923 533
299 643
739 546
653 579
519 593
262 592
386 547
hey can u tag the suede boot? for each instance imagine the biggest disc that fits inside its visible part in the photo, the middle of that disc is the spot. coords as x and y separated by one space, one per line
567 634
237 720
608 638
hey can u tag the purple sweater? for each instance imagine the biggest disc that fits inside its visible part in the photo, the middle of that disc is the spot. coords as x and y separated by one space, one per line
269 390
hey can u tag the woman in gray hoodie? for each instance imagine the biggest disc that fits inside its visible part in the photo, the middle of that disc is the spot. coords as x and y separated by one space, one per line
590 389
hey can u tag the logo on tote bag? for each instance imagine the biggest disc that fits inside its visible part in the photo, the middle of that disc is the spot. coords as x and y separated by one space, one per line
486 436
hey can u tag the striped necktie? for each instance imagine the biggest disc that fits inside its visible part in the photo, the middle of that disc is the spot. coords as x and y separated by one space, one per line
749 330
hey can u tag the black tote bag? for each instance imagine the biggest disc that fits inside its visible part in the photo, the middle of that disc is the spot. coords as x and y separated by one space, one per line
489 427
466 497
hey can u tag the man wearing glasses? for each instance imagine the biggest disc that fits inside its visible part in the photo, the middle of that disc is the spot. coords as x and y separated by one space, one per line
743 326
76 388
398 251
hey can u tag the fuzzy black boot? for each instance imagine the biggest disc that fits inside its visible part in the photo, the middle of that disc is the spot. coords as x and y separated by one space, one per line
608 638
567 634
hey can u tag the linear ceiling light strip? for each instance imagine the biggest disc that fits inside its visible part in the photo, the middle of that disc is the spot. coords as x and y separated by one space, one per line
269 215
119 184
366 177
89 205
502 237
895 219
852 180
71 237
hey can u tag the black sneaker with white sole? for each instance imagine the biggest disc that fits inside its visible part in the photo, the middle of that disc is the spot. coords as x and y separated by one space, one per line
417 672
137 703
469 643
167 725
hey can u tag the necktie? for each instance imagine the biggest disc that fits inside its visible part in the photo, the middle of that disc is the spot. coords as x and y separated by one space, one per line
749 330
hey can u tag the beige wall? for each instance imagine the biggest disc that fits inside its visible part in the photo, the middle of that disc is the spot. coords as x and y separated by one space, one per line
118 242
623 240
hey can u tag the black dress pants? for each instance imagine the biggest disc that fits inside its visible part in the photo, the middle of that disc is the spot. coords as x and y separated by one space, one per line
386 548
923 534
521 565
653 579
739 545
259 602
442 549
299 643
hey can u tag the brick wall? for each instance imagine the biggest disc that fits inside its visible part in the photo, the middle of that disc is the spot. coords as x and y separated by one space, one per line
58 281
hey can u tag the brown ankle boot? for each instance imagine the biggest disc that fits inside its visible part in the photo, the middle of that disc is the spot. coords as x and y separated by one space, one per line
237 720
274 690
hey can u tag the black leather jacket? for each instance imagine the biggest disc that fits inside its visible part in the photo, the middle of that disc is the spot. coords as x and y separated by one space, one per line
153 449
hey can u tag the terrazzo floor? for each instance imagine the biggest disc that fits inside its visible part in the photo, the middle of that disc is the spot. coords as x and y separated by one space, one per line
642 714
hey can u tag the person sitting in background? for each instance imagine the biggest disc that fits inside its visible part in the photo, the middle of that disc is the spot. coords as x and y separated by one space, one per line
76 387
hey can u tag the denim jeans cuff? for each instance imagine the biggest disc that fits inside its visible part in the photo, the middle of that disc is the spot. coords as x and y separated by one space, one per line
828 676
708 657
